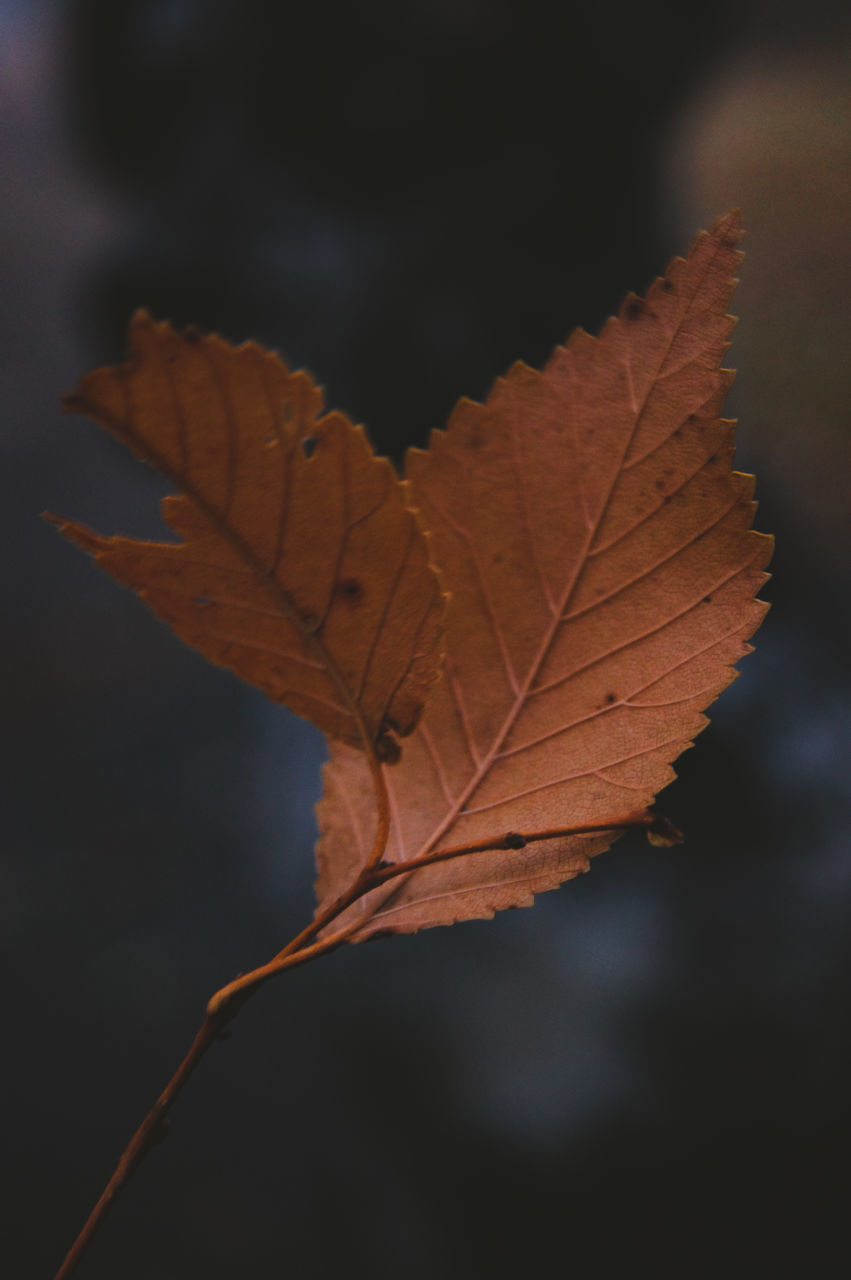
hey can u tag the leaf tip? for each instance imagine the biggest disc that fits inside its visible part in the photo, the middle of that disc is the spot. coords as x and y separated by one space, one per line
729 229
84 537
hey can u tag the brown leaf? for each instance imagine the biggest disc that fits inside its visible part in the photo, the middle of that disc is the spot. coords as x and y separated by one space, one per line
598 552
301 567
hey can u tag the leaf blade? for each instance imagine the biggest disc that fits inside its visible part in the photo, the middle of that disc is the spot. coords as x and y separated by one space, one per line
303 570
586 632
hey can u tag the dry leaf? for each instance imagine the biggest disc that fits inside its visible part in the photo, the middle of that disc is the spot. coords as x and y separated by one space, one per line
301 567
598 553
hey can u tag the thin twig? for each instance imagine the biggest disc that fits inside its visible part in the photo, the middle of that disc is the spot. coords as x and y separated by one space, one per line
152 1128
226 1003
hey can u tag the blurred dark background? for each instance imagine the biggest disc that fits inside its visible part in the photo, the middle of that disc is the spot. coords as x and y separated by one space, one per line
649 1069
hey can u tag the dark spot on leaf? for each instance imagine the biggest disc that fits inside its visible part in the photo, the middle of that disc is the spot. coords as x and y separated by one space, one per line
350 591
633 308
202 600
660 484
308 446
707 599
668 286
611 697
387 748
514 841
191 334
677 433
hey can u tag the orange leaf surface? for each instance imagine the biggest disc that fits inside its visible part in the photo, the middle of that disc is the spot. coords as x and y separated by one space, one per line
602 571
306 575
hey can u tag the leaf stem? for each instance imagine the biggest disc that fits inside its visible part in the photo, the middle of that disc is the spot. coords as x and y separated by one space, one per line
641 820
382 833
